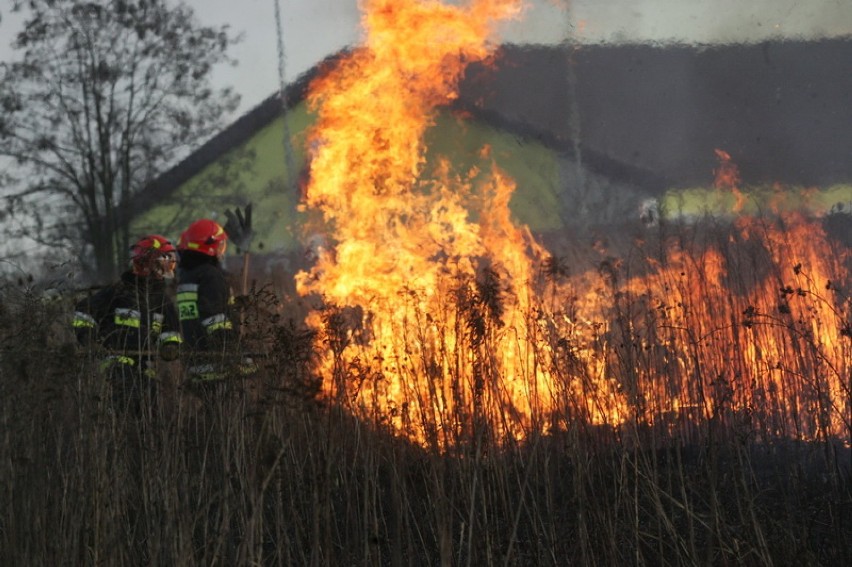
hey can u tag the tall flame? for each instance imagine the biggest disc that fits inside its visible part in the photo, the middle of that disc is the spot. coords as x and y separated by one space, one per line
401 243
374 108
428 317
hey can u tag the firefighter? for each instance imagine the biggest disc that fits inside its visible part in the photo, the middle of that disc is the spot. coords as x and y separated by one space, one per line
204 300
134 321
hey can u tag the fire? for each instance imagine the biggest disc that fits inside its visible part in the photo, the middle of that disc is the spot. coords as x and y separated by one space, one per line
403 245
728 178
727 174
444 320
752 328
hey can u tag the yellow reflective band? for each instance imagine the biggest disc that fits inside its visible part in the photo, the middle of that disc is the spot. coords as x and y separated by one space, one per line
156 244
248 368
193 245
205 373
217 323
171 338
225 325
157 323
187 300
127 318
110 361
84 320
187 292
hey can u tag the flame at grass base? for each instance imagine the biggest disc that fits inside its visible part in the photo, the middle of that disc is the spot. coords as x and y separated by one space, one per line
401 242
445 321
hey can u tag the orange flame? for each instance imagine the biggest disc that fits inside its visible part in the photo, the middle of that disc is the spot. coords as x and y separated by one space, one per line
402 243
442 318
728 177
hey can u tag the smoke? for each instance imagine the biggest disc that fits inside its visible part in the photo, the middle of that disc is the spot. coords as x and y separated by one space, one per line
680 21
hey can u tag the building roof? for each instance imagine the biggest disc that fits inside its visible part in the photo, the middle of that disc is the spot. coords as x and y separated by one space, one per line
780 109
643 113
644 116
234 135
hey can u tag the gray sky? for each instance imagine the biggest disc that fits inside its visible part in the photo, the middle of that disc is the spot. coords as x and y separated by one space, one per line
315 28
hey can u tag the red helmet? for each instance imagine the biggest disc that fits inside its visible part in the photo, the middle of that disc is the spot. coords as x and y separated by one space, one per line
204 236
153 256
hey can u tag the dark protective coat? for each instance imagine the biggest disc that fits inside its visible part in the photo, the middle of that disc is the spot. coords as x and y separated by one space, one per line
204 303
132 317
135 321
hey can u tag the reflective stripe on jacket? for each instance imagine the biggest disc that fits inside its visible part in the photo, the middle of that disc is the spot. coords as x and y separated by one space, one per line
203 298
131 317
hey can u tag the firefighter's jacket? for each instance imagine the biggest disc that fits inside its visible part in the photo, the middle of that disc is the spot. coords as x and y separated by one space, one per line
204 305
132 319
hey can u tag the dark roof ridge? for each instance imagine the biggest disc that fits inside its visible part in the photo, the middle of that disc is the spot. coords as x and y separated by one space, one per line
239 131
244 127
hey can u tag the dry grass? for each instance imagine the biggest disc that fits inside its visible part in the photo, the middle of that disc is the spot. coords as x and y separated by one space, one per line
265 470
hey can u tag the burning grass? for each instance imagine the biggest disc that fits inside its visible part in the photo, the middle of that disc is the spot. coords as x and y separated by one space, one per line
457 396
743 324
444 312
698 414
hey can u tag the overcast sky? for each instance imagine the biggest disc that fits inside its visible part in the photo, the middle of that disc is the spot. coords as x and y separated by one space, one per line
315 28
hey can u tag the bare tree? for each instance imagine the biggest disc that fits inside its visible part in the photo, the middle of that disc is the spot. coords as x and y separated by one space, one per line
106 95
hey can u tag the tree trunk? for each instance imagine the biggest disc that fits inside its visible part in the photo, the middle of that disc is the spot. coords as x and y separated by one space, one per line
103 243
